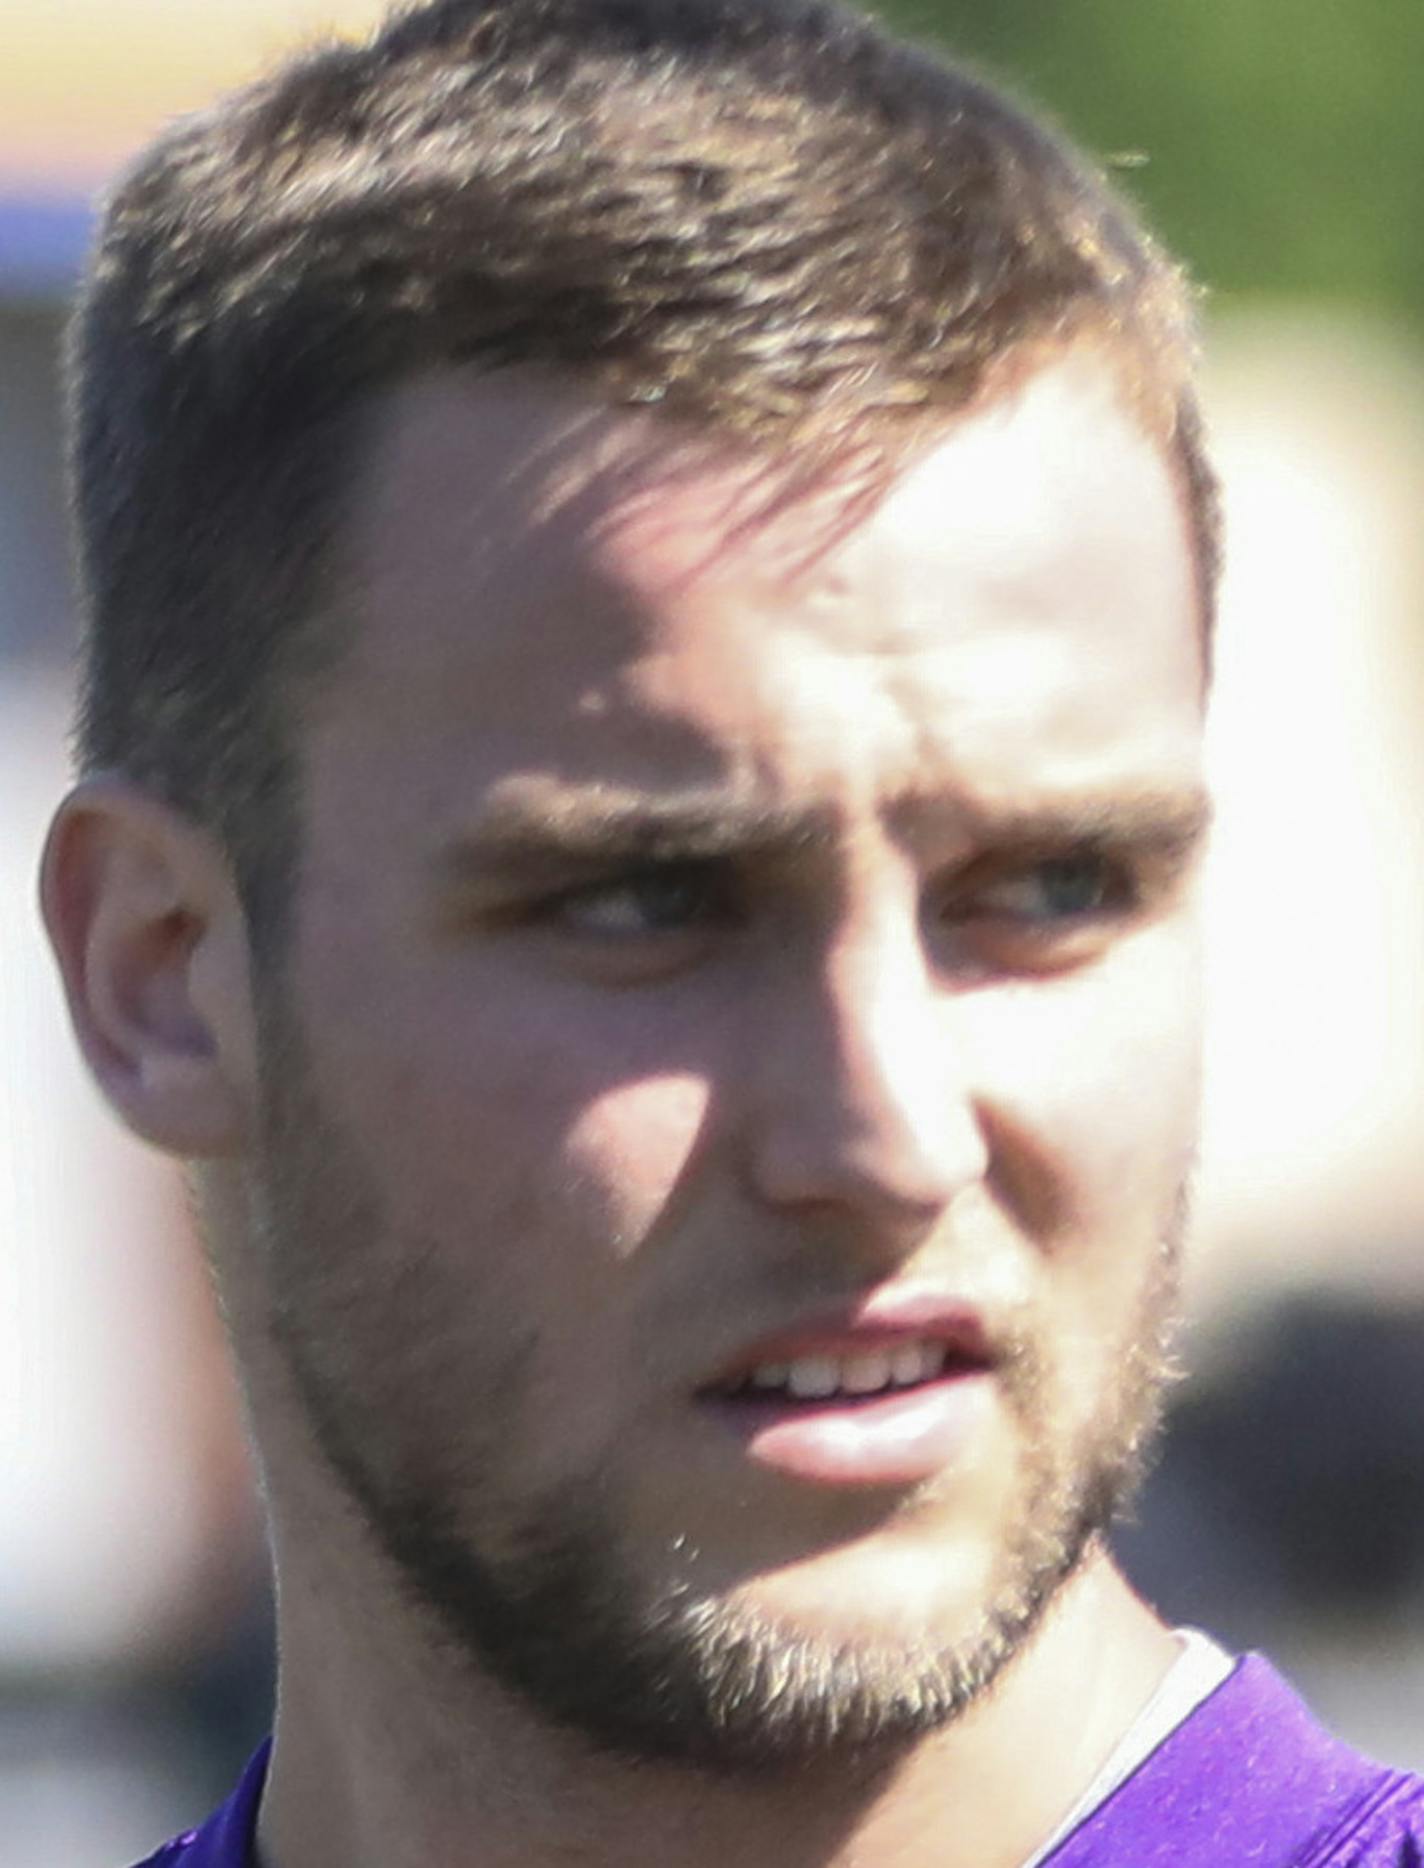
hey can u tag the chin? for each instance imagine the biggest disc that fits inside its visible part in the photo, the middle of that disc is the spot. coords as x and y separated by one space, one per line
845 1659
841 1661
894 1589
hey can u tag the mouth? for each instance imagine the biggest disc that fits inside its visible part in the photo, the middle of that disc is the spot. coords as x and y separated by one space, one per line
875 1401
850 1376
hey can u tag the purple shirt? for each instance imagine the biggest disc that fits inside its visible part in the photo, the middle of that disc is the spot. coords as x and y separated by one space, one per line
1249 1780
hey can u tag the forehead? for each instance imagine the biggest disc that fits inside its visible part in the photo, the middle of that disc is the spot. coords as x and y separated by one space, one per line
545 583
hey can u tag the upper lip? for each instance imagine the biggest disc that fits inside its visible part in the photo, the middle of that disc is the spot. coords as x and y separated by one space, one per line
877 1322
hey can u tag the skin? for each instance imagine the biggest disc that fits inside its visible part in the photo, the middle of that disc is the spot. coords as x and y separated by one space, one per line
530 1138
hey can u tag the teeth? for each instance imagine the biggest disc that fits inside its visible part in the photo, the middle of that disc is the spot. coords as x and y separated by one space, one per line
907 1364
918 1362
862 1375
813 1378
771 1375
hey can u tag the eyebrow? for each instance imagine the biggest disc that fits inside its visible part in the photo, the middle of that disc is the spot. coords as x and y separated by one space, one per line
596 827
523 839
1153 822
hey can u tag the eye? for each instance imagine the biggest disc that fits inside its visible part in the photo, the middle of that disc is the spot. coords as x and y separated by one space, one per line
1037 914
668 899
1052 890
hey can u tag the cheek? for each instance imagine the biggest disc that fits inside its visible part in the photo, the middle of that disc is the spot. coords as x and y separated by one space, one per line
528 1149
635 1145
1097 1074
505 1105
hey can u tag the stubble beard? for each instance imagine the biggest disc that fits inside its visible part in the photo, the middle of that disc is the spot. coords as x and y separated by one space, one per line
552 1610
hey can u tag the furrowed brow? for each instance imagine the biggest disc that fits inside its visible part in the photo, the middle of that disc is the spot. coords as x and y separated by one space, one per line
1169 825
518 839
526 840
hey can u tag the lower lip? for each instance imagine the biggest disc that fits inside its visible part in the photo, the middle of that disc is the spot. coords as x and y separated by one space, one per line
900 1438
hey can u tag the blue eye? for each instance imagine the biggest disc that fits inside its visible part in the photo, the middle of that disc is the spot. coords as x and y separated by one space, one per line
666 900
1073 885
1057 888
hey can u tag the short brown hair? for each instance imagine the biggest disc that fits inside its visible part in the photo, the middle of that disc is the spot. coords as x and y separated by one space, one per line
750 211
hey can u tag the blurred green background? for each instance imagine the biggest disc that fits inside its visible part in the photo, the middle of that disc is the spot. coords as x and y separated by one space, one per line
1279 145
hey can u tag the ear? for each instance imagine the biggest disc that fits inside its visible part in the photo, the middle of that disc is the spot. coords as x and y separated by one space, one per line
149 934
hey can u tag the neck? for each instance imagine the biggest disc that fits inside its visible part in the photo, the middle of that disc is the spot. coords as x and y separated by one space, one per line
381 1758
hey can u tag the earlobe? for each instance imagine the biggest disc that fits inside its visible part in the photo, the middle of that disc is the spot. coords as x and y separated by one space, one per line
148 933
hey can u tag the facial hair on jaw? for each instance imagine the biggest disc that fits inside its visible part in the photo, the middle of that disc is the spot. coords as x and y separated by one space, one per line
551 1610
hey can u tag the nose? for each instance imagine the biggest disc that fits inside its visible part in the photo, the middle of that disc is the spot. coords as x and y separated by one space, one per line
865 1109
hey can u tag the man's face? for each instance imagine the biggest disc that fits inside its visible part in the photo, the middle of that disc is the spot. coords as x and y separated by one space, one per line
730 1088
